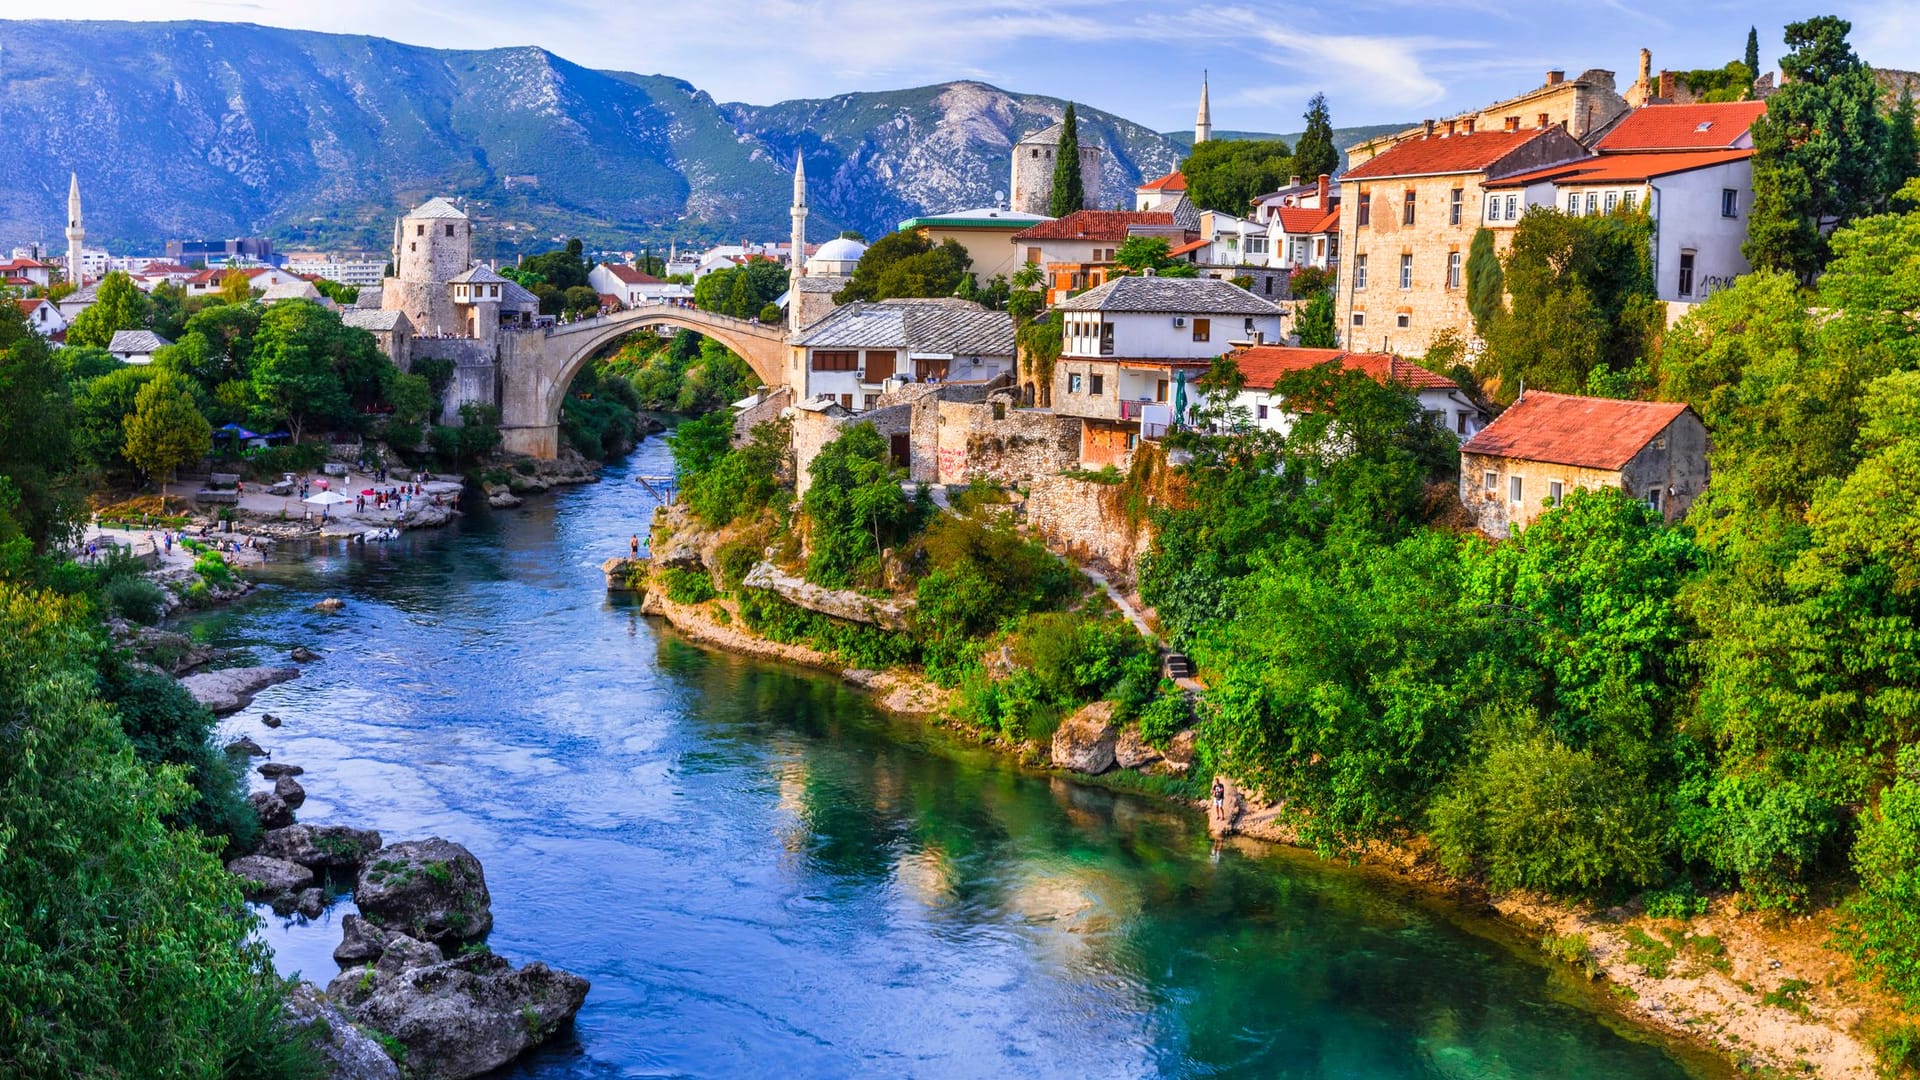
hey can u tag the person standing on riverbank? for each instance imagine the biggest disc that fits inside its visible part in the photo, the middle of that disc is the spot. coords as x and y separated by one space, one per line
633 545
1219 801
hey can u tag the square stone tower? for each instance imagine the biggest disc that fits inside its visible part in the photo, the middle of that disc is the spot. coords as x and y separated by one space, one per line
1032 190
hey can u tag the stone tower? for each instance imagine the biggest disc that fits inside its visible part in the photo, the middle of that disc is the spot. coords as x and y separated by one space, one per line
76 232
1203 120
432 245
1032 190
797 261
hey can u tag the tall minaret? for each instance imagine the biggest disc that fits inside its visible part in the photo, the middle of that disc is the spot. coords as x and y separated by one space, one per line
1203 121
76 233
797 267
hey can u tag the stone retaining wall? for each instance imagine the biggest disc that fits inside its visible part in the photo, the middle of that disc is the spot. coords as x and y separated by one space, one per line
1088 521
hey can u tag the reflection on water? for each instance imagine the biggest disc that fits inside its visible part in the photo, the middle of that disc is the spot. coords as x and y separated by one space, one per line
759 872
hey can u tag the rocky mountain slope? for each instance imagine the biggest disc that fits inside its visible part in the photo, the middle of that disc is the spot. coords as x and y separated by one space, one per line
194 129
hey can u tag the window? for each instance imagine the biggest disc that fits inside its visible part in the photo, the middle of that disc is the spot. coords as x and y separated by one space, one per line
1267 283
880 365
1573 203
1073 382
1406 208
1133 441
1359 318
1490 480
419 230
846 402
868 401
1516 489
449 228
1249 326
1406 271
1099 385
1403 320
1160 390
1202 329
1033 255
1260 412
1453 270
836 360
1365 207
1593 202
1460 422
1513 208
1454 204
411 246
1653 500
1627 199
1613 200
1686 273
1359 271
1729 203
1493 208
1555 490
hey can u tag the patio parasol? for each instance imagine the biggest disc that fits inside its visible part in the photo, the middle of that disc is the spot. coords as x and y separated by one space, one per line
327 498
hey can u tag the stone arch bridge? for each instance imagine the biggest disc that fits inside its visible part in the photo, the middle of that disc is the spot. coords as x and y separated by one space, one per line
537 366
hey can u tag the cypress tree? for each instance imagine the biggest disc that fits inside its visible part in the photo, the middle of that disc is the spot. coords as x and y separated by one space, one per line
1753 52
1069 190
1903 144
1315 153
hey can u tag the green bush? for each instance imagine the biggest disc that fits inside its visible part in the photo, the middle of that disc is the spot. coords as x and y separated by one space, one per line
768 614
1882 931
735 559
168 727
1165 716
1534 813
214 568
855 507
135 599
686 586
1677 901
742 481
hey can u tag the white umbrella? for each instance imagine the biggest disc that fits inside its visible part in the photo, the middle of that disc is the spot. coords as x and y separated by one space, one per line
327 498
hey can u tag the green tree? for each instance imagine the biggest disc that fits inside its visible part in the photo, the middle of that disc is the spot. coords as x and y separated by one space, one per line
1819 151
1314 325
43 503
235 287
119 305
100 408
563 269
1883 929
906 264
1138 254
1228 174
1486 283
1069 187
1752 56
743 480
1903 145
165 430
301 366
1583 298
854 506
1315 153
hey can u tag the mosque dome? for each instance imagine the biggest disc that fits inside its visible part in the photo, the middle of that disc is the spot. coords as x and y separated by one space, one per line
836 256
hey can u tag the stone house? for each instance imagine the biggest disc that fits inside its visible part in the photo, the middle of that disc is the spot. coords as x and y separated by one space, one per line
1128 345
1688 166
859 352
1583 106
389 328
1545 445
1076 251
1263 366
1407 218
1031 190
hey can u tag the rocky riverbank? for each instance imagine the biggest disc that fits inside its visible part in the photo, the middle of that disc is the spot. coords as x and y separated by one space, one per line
1760 990
419 995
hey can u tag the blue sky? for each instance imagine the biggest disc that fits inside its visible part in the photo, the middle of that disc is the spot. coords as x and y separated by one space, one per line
1377 60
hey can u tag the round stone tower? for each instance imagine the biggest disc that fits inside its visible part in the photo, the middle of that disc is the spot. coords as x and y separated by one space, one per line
432 245
1032 191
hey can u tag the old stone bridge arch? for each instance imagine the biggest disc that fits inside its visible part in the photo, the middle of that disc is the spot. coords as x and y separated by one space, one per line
537 367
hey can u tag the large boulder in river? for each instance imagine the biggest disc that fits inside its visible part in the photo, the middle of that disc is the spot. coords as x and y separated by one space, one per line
1132 750
320 847
349 1053
273 810
289 791
262 876
432 889
1084 742
462 1017
232 689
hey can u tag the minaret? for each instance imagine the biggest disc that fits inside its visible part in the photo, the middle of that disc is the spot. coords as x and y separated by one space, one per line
76 233
1203 121
797 267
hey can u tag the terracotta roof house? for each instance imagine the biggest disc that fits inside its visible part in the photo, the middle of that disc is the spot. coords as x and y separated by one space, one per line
1725 126
1263 366
1545 445
1159 194
1076 251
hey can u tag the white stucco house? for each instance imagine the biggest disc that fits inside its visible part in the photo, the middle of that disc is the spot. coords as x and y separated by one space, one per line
42 316
136 346
862 350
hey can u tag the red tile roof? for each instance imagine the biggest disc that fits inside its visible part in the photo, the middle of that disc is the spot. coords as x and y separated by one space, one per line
1678 127
1299 220
1264 365
1173 181
24 264
1094 225
1621 168
1191 245
630 275
15 281
1437 155
29 304
1592 433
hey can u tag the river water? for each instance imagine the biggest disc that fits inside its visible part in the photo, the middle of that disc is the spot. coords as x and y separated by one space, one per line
761 874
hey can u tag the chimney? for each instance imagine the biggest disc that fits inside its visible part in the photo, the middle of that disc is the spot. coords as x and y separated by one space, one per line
1544 121
1294 180
1469 121
1513 123
1555 78
1666 86
1453 127
1326 183
1646 67
1429 126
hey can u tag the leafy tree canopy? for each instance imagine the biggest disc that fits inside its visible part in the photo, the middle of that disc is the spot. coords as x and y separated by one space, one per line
1228 174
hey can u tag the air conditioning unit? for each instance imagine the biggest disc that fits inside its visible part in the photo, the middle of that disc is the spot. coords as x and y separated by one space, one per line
1179 321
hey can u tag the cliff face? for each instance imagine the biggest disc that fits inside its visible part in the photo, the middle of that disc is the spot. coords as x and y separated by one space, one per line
217 129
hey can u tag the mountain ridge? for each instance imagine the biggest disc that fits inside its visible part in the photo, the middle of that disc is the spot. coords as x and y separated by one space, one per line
205 129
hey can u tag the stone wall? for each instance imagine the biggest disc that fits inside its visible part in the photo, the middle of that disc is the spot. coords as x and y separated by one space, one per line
475 375
771 404
992 439
1088 521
